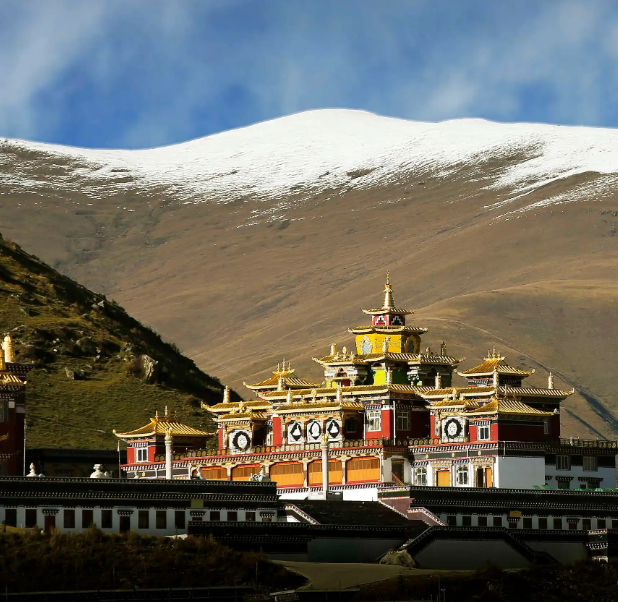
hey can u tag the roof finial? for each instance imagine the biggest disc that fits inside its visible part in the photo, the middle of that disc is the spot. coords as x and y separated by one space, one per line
280 383
333 348
166 412
550 381
388 293
156 414
8 349
226 394
289 396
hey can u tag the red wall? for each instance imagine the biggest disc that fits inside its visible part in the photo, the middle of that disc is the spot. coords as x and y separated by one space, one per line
14 427
387 423
277 437
514 432
130 455
220 436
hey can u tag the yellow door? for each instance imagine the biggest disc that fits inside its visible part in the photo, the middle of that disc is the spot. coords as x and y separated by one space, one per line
287 474
488 478
363 470
214 473
443 478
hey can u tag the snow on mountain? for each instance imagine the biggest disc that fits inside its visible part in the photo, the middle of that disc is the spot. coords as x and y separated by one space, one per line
317 150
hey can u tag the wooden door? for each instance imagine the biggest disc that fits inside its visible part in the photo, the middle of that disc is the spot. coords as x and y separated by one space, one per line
217 473
444 478
287 474
480 477
125 524
242 473
363 470
488 478
50 523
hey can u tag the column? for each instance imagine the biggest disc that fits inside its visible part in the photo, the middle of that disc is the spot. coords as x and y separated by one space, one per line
324 447
344 469
306 462
168 454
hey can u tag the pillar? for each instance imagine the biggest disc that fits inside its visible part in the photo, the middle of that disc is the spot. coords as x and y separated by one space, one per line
169 440
344 469
324 447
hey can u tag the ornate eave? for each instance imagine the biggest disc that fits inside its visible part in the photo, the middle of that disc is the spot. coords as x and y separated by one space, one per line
494 363
370 329
393 311
162 426
508 406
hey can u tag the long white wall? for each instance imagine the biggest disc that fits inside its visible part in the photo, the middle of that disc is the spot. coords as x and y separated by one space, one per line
519 473
170 516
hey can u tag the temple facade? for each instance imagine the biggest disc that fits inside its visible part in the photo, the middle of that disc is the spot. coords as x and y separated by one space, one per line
12 410
387 414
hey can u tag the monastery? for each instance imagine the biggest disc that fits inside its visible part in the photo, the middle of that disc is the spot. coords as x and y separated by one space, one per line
387 415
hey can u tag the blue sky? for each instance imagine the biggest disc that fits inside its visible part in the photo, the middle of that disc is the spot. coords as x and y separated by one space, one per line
141 73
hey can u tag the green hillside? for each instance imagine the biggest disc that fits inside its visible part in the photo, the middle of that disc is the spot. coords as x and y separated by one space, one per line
92 360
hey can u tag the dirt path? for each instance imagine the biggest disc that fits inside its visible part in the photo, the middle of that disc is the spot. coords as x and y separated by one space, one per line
324 575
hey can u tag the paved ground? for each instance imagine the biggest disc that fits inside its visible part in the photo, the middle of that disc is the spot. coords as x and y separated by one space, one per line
324 575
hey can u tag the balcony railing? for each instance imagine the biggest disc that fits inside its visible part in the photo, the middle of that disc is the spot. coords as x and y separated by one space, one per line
598 443
290 447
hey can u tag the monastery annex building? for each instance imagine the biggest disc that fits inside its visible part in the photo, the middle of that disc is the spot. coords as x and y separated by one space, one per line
387 415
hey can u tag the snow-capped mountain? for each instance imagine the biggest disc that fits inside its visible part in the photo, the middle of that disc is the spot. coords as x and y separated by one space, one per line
323 149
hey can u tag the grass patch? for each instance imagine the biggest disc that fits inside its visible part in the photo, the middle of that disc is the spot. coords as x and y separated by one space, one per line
65 328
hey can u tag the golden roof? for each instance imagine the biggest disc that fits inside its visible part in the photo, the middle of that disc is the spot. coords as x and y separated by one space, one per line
258 404
6 378
244 415
508 406
162 425
285 382
366 329
356 389
388 307
534 392
494 362
410 358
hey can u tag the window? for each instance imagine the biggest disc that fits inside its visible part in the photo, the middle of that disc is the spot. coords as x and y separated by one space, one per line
482 521
232 515
161 519
374 420
403 420
466 521
542 523
601 523
87 518
3 416
250 517
180 521
106 519
586 524
462 475
143 519
614 524
563 463
557 523
527 522
420 476
573 525
69 518
483 433
351 425
451 520
497 522
564 485
141 454
215 515
30 518
590 463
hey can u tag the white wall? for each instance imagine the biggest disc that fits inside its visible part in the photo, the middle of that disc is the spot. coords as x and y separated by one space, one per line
607 474
170 528
519 473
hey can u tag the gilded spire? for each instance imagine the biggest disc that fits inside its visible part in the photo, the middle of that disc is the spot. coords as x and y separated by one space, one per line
550 381
9 356
388 293
226 394
2 363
